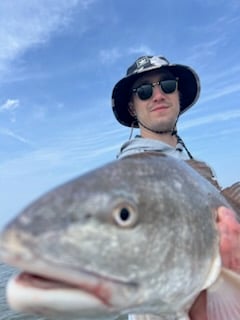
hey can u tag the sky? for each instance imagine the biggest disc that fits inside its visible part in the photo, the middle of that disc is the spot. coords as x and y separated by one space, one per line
59 61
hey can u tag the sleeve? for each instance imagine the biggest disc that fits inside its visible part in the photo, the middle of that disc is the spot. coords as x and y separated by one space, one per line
205 170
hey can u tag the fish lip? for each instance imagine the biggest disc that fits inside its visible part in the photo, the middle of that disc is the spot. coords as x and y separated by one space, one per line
42 267
56 271
46 275
35 280
56 302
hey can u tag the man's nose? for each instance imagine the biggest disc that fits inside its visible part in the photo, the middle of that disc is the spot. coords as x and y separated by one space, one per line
157 92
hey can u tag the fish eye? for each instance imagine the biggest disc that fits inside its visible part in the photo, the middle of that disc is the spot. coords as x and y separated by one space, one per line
125 215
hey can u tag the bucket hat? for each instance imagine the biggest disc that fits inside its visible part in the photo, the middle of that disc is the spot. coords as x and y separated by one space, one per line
188 85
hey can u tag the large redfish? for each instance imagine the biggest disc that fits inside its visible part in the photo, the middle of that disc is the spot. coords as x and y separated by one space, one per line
136 236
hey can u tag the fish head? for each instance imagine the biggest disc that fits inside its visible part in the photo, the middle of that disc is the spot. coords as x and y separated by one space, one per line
119 236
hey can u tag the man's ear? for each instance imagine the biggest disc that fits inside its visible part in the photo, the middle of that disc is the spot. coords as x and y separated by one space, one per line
131 109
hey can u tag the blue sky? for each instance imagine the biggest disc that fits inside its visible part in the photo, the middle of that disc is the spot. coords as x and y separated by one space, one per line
59 60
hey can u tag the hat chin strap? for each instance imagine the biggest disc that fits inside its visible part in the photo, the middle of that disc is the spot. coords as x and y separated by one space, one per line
172 131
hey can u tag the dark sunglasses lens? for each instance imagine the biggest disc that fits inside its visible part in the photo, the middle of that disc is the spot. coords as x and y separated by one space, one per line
145 91
168 86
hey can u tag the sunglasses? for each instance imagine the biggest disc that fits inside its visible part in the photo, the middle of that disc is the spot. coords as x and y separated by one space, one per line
145 91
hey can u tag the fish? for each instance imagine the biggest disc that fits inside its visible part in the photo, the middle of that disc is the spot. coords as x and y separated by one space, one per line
137 236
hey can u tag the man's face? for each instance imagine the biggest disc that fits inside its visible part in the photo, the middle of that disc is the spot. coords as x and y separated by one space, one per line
161 110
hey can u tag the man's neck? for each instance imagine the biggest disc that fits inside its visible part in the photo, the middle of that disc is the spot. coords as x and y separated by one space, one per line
167 138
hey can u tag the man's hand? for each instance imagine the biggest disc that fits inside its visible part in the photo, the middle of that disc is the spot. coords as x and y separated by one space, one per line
229 232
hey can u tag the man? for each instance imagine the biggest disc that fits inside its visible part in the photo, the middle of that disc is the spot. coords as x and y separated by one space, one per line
151 97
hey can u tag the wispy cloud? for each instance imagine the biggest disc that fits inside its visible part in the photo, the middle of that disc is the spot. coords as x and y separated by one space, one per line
212 118
24 24
142 49
9 105
226 90
113 54
110 55
10 133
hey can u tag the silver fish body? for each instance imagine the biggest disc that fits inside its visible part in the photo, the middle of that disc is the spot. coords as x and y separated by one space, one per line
137 235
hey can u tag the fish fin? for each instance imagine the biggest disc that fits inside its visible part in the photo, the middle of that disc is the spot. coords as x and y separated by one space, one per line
223 297
232 194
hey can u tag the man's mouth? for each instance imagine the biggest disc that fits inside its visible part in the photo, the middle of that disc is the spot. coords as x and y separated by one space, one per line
160 108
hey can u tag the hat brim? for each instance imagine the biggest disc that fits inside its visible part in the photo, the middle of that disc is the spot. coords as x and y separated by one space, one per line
188 86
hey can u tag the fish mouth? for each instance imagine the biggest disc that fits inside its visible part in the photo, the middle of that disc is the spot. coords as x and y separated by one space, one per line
96 287
33 294
49 289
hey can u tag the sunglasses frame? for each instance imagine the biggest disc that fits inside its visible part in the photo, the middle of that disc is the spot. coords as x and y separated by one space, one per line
154 84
